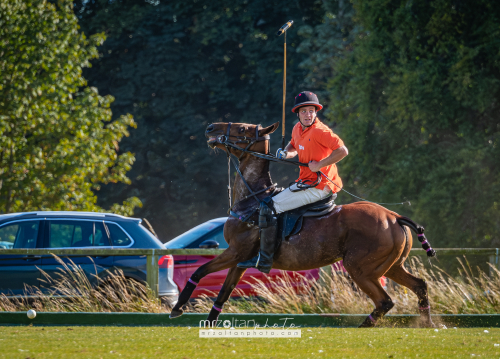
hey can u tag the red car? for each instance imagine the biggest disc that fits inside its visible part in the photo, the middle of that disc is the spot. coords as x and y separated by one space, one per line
209 235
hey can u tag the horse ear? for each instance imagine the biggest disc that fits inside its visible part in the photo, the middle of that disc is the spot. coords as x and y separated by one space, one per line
268 130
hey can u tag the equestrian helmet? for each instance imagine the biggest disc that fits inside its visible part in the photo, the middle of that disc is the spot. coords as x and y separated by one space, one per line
306 98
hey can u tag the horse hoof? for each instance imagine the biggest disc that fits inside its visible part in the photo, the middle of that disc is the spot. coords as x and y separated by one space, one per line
428 324
367 324
175 313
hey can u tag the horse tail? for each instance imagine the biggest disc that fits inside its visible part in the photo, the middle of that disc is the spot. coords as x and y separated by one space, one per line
419 230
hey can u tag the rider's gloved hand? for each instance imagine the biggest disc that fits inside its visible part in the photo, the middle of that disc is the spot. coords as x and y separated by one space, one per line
281 154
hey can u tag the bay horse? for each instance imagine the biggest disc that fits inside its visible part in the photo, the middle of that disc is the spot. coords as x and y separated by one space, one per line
372 240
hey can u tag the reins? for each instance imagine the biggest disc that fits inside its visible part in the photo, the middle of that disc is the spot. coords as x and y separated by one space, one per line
224 140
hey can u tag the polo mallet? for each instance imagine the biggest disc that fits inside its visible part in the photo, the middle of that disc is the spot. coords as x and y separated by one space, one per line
282 30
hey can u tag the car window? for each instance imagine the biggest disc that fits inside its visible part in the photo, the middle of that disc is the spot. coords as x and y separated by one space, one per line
218 236
187 238
19 235
76 234
118 237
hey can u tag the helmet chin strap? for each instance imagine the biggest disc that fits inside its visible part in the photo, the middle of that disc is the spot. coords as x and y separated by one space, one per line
315 117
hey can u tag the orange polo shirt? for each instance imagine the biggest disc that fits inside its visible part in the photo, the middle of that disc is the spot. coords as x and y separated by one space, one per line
314 144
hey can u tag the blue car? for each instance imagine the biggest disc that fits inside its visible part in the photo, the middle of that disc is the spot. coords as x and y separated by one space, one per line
60 230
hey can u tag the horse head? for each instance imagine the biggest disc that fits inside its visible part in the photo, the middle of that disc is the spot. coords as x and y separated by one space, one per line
236 136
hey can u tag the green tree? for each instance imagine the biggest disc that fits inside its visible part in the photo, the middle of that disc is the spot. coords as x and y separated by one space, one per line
416 98
178 66
57 140
412 87
326 43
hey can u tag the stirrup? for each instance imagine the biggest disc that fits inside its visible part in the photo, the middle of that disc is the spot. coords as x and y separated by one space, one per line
251 263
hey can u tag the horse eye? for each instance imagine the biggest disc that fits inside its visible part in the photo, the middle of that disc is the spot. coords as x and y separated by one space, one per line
242 129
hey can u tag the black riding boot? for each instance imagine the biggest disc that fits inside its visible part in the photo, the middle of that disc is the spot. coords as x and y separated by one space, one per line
268 233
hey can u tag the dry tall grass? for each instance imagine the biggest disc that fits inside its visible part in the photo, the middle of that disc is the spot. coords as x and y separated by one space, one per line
333 293
71 291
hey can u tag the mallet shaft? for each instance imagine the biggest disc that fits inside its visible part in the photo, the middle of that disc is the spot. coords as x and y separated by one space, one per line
282 30
284 97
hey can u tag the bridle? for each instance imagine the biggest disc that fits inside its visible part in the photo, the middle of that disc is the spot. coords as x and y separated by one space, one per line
250 141
224 140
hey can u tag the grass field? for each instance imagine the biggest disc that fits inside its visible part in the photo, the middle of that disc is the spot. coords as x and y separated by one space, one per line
162 342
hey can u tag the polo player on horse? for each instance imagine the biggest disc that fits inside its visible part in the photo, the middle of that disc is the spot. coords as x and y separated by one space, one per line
316 145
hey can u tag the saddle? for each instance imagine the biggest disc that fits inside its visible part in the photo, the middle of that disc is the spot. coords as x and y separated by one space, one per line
290 222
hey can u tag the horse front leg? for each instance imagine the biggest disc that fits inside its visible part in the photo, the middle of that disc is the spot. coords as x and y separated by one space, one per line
233 277
225 260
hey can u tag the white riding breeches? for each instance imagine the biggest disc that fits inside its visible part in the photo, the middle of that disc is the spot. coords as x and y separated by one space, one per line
288 200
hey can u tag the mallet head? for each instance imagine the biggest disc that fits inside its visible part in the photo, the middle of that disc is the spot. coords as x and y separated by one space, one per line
284 28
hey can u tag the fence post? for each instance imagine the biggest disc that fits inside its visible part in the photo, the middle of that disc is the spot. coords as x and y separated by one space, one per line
152 271
493 260
325 273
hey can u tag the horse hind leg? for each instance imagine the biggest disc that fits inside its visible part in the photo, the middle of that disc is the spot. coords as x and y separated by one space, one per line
417 286
383 303
233 277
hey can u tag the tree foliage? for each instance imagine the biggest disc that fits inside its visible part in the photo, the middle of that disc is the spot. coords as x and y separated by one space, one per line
410 86
57 140
178 66
416 97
